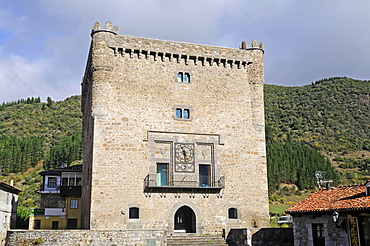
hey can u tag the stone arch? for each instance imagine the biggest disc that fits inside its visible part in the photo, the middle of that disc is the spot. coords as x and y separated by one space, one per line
185 220
194 209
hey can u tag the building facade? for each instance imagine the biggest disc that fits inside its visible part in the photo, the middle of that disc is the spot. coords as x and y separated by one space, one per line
333 216
8 208
173 135
60 200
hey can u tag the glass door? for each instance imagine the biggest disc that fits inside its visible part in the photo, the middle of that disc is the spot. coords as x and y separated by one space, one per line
162 174
204 176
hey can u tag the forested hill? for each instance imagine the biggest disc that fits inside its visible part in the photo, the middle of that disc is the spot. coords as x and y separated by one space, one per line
31 131
331 116
325 121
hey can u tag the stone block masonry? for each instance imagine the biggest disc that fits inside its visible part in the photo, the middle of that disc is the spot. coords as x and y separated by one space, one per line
186 118
86 237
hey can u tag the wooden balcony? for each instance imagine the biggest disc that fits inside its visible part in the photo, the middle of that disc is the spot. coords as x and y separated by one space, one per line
71 191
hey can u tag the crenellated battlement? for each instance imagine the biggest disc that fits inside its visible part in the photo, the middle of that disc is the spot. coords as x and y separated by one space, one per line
175 57
180 52
108 28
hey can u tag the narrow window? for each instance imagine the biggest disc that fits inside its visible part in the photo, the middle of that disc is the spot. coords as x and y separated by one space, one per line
318 234
133 213
54 224
36 224
204 175
186 113
179 113
162 174
52 182
64 181
179 77
73 203
187 78
233 213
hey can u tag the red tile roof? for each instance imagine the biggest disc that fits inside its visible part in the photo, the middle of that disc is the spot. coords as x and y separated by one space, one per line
343 198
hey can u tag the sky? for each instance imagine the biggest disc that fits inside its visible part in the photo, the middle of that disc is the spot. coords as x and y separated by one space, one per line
44 43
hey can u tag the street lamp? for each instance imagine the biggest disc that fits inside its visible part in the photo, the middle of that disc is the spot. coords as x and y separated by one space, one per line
335 216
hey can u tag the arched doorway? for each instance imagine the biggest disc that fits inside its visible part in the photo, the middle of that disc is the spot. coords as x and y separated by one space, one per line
185 220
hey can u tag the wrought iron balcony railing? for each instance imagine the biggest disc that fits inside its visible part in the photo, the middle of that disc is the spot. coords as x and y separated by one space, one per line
183 183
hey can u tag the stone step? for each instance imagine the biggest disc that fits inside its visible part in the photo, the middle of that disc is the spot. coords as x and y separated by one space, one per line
195 240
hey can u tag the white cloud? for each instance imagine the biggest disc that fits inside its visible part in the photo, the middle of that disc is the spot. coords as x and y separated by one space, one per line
44 43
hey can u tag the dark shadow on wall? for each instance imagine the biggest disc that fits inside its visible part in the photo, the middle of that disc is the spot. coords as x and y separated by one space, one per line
273 237
262 237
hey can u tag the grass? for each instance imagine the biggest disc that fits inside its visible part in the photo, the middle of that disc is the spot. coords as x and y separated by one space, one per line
279 208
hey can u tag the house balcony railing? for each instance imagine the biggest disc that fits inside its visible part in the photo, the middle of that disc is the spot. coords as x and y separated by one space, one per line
183 184
62 190
46 189
71 191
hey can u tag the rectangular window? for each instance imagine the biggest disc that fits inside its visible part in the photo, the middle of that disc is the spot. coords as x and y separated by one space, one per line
179 77
187 78
162 174
71 181
179 113
204 175
182 112
52 182
73 203
133 213
233 213
54 224
36 224
186 113
318 234
64 181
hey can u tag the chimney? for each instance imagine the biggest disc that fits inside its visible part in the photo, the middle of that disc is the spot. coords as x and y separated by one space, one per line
328 186
12 182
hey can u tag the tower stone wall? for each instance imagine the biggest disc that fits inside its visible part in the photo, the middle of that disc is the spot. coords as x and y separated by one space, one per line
130 97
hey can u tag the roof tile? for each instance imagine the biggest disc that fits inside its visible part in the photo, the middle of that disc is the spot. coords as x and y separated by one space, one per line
341 198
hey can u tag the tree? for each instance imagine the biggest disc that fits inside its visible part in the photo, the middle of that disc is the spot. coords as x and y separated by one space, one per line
49 102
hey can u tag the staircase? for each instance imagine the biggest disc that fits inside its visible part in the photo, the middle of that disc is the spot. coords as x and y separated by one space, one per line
195 240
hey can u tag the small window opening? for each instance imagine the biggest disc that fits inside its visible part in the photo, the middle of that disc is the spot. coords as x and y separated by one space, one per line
54 225
178 113
36 224
233 213
52 182
186 113
73 203
133 213
179 77
187 78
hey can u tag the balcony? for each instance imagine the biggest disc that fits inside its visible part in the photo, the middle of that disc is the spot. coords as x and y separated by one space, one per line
44 189
71 191
183 184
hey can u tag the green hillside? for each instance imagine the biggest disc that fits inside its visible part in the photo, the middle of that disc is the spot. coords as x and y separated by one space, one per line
319 127
330 115
35 135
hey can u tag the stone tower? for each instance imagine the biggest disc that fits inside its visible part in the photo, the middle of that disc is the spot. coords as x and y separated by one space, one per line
173 135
